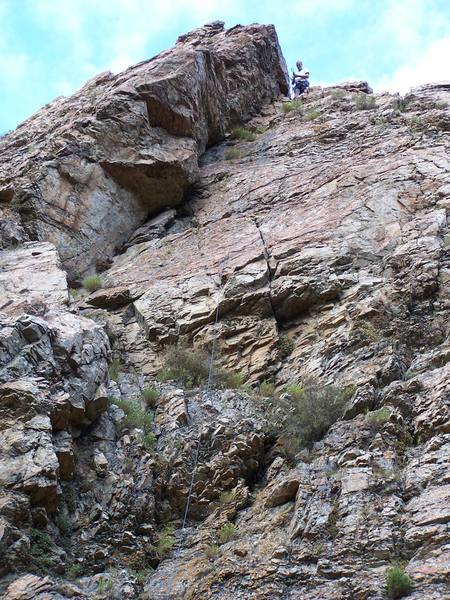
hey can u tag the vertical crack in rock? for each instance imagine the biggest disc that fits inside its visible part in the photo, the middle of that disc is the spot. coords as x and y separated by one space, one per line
269 270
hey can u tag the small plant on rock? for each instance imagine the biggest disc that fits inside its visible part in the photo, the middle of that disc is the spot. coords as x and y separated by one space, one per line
377 418
295 390
165 542
369 331
291 105
304 413
74 571
365 102
232 153
188 366
212 550
266 389
241 133
135 415
63 523
105 584
164 375
227 379
41 550
150 395
338 94
312 114
398 582
91 283
140 575
227 532
285 346
149 440
114 369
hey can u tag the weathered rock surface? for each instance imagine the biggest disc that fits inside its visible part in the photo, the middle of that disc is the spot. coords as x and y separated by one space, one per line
321 248
85 171
52 367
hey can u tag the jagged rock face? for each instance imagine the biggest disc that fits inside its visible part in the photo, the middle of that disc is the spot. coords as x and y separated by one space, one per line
324 245
85 171
330 227
52 367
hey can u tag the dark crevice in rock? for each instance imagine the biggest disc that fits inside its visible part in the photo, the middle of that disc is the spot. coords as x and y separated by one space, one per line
269 269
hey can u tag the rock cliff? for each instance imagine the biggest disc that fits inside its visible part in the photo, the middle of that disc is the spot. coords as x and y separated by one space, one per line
302 242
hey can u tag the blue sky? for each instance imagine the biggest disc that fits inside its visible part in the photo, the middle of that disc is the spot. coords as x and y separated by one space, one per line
51 47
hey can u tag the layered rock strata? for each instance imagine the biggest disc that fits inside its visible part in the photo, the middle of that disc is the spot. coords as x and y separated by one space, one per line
317 237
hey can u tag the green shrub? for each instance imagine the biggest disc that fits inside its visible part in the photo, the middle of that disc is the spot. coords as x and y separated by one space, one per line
441 104
232 153
114 369
227 379
399 104
165 542
150 395
333 518
41 550
241 133
416 124
149 440
261 130
227 532
291 105
338 94
91 283
164 375
377 418
348 391
398 582
105 584
365 102
188 366
63 523
140 575
304 414
86 485
266 388
312 114
212 550
74 571
446 240
295 390
135 415
285 346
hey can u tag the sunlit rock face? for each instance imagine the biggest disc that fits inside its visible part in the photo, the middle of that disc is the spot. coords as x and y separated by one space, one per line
311 243
85 171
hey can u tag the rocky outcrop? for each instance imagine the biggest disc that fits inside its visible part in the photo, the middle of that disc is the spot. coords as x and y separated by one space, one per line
361 253
314 243
86 171
52 367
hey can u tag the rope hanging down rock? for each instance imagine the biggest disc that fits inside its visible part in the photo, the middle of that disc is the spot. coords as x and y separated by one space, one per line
208 386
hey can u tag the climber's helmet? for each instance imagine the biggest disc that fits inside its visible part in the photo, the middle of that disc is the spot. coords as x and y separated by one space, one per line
299 65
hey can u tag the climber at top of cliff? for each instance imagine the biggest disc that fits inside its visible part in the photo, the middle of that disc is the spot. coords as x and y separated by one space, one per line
300 79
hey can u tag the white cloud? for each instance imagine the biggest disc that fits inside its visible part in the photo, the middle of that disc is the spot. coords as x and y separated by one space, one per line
318 9
124 28
432 65
416 41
